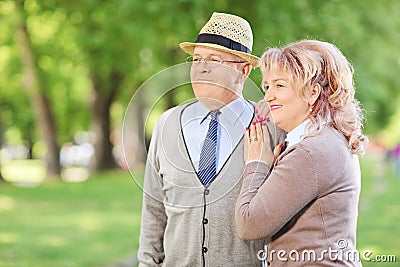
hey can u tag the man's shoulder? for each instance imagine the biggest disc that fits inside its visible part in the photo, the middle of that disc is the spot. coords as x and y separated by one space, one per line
251 102
175 111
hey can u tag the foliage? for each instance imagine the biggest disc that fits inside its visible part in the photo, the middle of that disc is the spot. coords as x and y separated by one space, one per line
390 137
79 40
64 79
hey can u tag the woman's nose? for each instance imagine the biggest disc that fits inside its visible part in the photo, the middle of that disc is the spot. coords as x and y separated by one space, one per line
269 96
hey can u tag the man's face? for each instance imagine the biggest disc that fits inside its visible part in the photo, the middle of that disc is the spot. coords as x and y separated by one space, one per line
216 83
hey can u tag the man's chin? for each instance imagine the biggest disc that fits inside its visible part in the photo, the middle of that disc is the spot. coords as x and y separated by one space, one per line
209 86
211 103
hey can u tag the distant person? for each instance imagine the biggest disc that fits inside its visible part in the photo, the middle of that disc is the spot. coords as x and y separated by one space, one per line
195 159
396 157
305 200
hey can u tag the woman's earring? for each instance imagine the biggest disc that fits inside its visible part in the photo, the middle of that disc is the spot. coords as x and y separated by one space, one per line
310 109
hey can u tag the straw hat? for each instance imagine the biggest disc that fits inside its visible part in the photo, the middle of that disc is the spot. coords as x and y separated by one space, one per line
227 33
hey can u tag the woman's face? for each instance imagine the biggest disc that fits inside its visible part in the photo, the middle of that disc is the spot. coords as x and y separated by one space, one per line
288 109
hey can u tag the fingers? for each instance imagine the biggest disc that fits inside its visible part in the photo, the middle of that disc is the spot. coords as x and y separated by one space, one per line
259 133
253 140
258 110
266 138
262 110
265 111
259 105
265 130
252 132
246 135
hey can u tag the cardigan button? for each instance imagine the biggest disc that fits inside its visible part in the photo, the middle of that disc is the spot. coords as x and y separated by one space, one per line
206 192
205 221
205 249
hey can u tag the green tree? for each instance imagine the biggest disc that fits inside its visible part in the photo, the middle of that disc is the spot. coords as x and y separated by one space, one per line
106 35
92 55
1 144
32 83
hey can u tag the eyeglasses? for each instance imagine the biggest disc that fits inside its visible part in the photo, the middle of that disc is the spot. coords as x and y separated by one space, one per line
213 59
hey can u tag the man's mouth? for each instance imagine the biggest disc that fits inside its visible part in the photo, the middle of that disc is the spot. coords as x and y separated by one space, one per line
202 80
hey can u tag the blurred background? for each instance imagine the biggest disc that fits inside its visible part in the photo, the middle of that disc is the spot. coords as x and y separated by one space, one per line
68 70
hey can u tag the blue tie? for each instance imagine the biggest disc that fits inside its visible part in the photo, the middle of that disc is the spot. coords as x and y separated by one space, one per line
208 154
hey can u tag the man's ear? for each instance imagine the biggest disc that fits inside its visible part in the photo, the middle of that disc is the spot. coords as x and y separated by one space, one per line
245 72
314 94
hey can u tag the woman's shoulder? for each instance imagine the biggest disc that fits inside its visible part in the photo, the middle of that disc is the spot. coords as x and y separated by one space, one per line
328 145
327 138
326 155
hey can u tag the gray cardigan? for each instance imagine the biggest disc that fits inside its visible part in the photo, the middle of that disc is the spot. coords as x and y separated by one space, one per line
184 223
308 203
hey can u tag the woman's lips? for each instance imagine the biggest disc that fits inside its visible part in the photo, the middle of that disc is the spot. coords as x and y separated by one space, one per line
275 107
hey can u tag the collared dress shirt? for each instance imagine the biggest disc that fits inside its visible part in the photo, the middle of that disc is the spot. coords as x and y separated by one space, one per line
233 119
297 134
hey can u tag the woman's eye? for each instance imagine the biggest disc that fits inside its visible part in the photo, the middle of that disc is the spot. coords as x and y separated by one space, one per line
280 85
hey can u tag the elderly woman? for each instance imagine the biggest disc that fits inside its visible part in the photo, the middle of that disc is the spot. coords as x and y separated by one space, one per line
305 198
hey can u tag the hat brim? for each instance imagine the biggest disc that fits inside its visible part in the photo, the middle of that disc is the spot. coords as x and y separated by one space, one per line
189 48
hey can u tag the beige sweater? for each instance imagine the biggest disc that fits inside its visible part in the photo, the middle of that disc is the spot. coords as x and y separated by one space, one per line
183 223
307 204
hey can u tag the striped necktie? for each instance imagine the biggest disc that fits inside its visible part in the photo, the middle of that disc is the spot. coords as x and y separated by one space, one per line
208 154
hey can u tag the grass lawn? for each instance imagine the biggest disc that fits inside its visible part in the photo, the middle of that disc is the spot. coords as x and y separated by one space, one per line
379 212
96 222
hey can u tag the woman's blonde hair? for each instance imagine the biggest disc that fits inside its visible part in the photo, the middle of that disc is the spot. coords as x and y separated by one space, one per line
315 63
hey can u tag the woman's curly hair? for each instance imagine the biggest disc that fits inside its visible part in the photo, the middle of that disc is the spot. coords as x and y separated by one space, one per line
315 63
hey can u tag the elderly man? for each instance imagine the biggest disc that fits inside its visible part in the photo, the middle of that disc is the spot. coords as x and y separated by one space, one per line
195 159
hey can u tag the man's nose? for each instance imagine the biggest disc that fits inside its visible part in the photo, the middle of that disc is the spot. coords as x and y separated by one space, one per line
203 66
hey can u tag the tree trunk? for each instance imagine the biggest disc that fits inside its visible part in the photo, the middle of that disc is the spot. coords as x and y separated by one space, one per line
142 143
1 177
1 144
33 86
102 100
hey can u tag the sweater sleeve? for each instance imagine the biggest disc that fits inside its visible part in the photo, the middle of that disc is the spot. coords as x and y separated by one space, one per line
261 211
154 219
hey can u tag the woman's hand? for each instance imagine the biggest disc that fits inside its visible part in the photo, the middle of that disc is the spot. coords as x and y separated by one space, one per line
262 111
257 144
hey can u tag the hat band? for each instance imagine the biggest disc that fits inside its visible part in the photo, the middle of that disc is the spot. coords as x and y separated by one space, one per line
223 41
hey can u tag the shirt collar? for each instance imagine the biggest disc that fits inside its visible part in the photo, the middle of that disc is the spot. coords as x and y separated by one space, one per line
230 112
201 112
296 135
